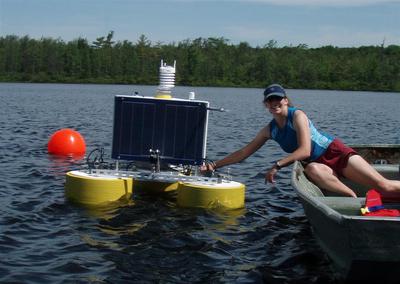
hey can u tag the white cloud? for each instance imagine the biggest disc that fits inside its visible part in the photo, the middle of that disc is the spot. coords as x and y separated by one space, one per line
321 2
330 35
319 36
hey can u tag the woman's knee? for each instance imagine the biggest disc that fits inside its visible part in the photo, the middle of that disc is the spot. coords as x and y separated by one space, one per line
315 170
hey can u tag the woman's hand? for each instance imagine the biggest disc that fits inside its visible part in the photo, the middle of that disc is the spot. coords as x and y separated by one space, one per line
208 167
269 176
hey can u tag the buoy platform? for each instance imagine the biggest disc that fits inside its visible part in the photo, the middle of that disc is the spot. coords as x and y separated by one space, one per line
168 136
101 186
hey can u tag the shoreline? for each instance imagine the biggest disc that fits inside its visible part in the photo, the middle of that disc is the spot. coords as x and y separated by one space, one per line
94 82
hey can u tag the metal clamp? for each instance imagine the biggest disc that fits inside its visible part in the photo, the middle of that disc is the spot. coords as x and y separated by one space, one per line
155 159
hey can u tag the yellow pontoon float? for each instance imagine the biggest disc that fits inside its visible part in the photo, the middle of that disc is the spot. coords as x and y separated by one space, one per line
165 139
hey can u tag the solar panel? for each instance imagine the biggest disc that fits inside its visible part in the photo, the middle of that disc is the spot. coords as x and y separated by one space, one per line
177 128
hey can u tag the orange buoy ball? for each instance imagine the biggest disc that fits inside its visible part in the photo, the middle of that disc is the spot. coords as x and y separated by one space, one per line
66 142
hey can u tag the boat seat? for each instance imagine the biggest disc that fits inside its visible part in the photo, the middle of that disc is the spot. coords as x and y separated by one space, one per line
346 205
390 171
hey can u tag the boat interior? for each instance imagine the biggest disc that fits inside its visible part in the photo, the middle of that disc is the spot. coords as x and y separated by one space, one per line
384 158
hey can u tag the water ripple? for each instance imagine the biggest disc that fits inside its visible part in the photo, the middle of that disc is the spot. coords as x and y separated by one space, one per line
45 239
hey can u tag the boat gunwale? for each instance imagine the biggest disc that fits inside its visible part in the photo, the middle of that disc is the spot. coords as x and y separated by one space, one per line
374 145
311 199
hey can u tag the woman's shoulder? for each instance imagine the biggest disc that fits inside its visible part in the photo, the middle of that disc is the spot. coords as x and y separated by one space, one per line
297 111
299 115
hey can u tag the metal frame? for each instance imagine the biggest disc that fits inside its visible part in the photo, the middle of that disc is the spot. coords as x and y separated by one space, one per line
153 176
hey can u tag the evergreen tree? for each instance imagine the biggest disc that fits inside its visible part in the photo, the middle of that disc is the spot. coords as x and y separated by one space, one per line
201 62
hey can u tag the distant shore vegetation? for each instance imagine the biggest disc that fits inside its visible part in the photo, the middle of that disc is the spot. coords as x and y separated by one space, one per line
200 62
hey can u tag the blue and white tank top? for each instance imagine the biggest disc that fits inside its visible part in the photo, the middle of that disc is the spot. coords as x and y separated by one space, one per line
287 137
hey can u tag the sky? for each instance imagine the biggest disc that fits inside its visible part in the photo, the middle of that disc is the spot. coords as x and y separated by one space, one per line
316 23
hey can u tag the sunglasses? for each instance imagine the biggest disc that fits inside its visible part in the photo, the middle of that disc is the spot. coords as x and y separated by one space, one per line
273 98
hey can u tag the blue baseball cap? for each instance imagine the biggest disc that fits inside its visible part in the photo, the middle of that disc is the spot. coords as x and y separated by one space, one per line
274 90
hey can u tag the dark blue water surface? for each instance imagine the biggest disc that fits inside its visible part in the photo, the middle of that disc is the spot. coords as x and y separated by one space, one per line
45 239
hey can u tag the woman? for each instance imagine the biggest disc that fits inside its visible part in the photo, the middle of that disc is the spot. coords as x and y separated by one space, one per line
326 158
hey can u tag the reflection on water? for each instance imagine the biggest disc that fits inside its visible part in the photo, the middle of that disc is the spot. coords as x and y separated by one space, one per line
59 165
149 239
105 211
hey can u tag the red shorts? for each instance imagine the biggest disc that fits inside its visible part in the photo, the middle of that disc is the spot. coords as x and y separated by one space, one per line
336 156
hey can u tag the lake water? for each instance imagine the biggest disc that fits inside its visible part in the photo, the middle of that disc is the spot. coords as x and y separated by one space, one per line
45 239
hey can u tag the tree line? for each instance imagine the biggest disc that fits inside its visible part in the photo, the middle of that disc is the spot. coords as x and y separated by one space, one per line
200 62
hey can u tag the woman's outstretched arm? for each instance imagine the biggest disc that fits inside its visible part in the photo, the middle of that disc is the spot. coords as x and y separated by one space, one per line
239 155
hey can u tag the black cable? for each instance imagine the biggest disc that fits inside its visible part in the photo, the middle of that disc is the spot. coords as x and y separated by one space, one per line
96 161
129 165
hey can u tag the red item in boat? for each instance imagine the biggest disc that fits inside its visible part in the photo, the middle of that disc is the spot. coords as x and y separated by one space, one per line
384 212
374 206
373 198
